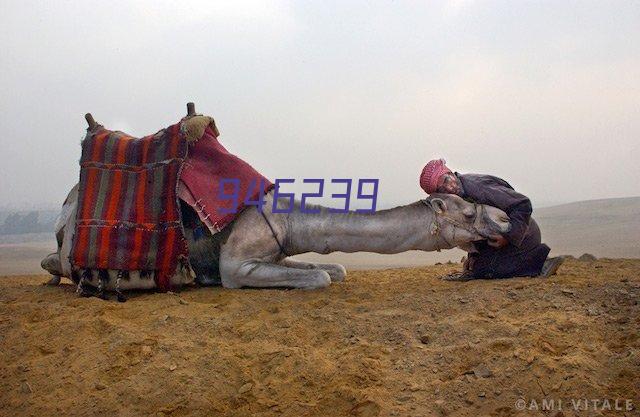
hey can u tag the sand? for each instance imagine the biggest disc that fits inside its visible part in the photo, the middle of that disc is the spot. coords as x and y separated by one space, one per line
391 342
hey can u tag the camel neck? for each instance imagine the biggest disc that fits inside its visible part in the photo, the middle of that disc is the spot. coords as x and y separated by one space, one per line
389 231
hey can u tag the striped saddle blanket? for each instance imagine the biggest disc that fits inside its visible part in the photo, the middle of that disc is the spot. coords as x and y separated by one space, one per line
128 211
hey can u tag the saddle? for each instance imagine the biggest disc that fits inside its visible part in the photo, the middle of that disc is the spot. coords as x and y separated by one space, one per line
129 216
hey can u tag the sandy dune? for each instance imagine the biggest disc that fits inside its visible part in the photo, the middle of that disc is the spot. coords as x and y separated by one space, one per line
389 342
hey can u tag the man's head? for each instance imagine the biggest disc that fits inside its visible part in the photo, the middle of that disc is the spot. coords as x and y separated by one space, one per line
436 177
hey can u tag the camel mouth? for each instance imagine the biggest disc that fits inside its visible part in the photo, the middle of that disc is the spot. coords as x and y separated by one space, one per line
493 229
500 226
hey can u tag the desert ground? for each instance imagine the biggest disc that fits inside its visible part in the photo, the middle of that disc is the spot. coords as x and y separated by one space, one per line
393 342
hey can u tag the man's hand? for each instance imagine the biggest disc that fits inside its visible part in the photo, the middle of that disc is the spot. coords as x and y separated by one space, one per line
497 241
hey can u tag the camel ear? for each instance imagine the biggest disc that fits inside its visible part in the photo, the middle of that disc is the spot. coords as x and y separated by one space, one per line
438 205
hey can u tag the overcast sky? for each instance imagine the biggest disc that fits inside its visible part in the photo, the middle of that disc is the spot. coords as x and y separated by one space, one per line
543 94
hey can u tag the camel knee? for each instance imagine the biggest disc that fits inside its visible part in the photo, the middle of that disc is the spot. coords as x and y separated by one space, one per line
51 263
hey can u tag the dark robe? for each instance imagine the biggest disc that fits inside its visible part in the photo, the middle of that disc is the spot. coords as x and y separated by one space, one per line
525 254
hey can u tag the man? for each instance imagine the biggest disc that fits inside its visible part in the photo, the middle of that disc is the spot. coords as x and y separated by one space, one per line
519 252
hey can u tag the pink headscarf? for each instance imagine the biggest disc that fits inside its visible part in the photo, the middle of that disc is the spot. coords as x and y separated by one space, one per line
431 173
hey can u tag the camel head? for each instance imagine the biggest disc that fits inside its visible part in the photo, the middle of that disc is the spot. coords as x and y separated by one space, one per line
458 222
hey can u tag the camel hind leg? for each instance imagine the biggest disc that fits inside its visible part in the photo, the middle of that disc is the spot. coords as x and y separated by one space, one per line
260 274
337 272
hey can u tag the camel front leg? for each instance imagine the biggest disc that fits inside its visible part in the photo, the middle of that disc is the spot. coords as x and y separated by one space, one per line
335 271
260 274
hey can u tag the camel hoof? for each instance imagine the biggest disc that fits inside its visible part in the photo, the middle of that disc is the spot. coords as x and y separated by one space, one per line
55 280
337 273
322 280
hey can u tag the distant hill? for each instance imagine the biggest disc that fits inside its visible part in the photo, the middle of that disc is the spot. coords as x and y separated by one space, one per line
604 228
23 222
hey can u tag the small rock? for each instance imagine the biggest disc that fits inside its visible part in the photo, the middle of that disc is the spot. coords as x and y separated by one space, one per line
25 388
512 294
592 311
482 394
497 392
146 350
548 347
481 371
567 292
183 302
99 386
23 368
46 350
624 280
245 388
173 367
491 315
587 257
424 339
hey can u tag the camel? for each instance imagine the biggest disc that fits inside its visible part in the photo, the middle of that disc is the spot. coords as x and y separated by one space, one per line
255 249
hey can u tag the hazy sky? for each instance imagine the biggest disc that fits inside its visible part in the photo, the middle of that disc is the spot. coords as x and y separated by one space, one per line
543 94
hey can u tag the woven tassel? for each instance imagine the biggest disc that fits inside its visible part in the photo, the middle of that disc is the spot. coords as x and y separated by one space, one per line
121 297
184 265
75 277
103 280
83 289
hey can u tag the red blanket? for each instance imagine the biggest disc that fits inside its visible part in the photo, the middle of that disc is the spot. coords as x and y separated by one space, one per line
207 165
128 213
